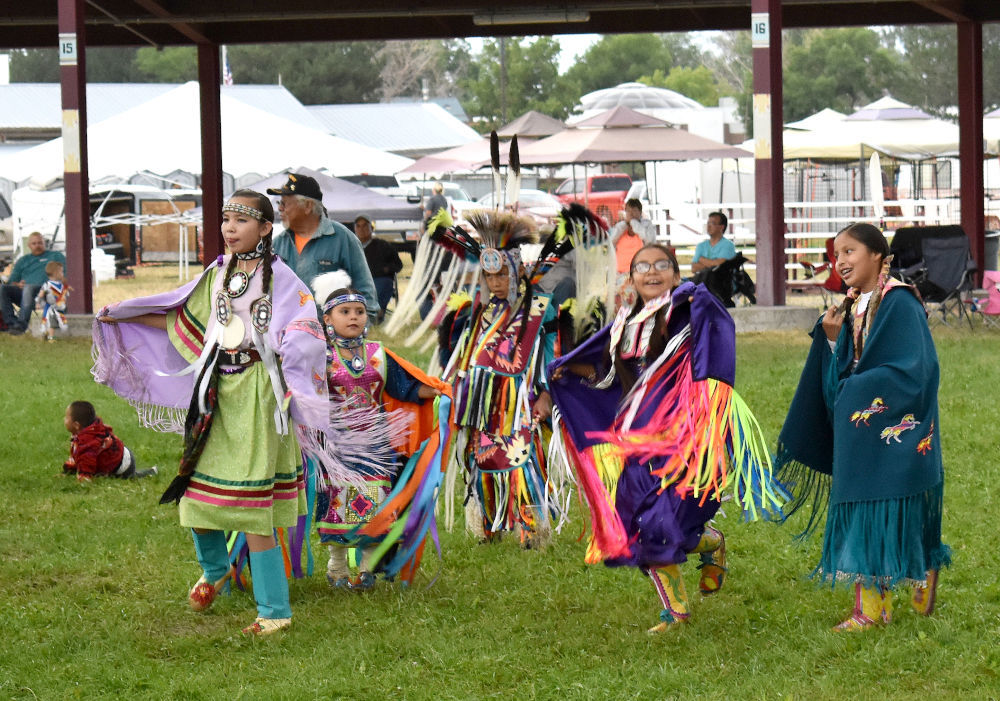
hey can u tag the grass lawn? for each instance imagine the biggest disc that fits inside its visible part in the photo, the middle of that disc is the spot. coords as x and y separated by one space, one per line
93 583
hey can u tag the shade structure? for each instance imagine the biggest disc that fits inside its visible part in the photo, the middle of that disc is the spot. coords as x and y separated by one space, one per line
831 143
885 109
813 122
621 116
464 158
657 141
344 200
531 124
163 135
886 126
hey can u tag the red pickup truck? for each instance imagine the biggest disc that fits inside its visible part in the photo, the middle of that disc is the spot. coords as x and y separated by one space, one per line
603 194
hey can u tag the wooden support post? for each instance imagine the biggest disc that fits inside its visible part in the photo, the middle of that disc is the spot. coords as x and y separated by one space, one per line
768 151
76 183
970 139
211 151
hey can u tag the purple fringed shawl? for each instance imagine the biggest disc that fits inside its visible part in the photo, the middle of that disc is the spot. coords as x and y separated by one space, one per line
139 363
588 410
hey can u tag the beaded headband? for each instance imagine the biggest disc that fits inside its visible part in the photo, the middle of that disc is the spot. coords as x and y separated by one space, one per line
344 299
243 209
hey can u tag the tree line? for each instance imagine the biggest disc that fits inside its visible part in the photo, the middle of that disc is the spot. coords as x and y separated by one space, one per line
841 68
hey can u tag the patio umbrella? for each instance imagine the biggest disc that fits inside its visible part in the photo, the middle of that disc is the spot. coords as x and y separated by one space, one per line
622 135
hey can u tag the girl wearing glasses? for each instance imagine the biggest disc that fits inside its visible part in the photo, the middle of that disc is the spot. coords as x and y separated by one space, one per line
654 431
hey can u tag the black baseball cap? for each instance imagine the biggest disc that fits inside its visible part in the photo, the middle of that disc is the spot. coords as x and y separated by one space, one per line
298 185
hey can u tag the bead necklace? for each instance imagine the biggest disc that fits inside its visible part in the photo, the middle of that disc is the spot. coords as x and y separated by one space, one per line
357 361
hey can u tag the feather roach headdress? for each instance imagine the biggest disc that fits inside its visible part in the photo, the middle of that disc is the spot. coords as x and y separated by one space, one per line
576 227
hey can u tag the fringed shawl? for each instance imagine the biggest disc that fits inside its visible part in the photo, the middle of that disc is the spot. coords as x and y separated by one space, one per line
682 415
142 364
872 432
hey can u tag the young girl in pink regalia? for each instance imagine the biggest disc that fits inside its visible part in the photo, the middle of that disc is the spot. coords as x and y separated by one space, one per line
360 374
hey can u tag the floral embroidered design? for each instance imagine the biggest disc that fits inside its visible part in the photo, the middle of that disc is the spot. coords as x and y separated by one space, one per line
877 406
924 446
309 326
893 432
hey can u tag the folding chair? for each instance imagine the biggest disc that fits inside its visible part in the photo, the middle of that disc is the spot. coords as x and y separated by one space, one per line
943 277
989 308
834 285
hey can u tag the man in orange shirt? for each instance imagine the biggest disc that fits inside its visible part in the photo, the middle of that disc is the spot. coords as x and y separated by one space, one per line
312 244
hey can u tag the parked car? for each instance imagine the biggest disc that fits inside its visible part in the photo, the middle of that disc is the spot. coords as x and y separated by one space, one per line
417 192
539 205
603 194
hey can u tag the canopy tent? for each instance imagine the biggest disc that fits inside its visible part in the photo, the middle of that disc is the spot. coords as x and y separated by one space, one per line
623 135
991 131
887 126
813 122
345 200
829 144
163 136
886 109
532 125
464 158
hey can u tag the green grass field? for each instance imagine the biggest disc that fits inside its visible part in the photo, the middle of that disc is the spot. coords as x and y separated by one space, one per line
93 583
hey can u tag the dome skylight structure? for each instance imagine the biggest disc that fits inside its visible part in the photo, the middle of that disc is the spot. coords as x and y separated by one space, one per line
636 96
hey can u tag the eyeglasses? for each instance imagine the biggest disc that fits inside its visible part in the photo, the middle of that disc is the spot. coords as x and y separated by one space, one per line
643 267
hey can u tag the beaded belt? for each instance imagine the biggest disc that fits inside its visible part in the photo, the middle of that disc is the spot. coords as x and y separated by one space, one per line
237 360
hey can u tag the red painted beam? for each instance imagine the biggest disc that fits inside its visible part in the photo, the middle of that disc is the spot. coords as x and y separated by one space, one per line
76 183
209 76
769 151
970 137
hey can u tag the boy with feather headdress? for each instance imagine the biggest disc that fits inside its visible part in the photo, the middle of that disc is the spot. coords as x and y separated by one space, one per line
495 350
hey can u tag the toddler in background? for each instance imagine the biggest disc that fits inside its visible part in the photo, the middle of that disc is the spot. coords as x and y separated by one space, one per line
51 299
95 451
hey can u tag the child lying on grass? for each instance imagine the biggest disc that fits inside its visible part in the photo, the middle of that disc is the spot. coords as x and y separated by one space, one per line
95 451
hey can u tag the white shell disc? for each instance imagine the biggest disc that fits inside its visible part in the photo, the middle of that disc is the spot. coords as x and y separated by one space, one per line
233 333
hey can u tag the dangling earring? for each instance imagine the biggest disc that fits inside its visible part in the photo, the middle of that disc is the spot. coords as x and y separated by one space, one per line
329 331
260 248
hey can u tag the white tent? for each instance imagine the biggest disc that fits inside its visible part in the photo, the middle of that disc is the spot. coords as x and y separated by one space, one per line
163 135
823 118
991 131
887 126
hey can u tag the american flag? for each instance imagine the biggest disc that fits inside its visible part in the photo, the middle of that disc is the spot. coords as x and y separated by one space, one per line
227 72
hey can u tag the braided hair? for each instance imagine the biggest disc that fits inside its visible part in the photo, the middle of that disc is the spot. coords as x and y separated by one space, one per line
263 203
872 238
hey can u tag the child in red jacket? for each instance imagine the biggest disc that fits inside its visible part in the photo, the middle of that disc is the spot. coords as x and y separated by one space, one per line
94 450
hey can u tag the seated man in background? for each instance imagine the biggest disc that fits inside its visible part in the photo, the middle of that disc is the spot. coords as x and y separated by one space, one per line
26 279
383 261
717 249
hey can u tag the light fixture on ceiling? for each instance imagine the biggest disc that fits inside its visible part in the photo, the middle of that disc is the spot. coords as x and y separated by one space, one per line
491 19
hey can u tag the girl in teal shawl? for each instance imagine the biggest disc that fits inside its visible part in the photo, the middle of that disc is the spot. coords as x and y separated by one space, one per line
863 436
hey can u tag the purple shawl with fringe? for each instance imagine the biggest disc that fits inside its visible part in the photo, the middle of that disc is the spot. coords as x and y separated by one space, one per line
139 363
587 410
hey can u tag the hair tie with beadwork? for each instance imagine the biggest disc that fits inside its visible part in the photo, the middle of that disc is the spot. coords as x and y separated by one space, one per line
243 209
344 299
